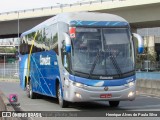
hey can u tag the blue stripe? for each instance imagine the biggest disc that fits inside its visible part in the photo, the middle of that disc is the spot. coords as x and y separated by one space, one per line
99 23
90 82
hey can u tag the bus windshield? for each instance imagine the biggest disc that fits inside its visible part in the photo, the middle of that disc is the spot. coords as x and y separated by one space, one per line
102 51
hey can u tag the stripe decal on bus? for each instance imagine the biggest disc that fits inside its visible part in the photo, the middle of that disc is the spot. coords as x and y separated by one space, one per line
30 56
42 76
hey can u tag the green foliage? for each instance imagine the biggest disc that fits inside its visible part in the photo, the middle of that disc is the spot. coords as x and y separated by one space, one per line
7 50
148 54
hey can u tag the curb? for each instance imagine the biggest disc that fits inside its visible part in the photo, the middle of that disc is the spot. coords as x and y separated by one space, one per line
10 80
4 103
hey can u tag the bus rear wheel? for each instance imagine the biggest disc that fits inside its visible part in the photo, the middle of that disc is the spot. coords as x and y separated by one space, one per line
27 91
30 93
61 101
114 103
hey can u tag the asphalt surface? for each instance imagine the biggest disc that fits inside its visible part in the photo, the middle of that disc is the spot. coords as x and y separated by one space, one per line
141 103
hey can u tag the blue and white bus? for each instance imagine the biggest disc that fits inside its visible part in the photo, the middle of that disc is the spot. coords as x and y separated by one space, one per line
80 57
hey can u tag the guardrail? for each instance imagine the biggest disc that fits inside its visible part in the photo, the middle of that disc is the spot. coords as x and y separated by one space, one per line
61 6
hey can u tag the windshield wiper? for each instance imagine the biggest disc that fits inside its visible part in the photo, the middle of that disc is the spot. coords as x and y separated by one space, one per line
114 61
94 64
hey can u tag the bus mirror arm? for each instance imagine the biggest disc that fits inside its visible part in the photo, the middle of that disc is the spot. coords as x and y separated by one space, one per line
140 42
67 43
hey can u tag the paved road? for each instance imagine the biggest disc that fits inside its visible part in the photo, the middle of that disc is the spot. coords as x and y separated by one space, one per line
50 104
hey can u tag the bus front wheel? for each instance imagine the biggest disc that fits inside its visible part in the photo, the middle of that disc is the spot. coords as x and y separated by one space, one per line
114 103
61 101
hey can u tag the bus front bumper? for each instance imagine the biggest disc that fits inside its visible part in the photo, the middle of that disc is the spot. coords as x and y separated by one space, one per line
73 93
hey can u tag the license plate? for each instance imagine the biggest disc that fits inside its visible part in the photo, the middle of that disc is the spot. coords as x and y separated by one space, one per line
105 95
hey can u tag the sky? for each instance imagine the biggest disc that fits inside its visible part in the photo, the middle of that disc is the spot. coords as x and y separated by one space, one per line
13 5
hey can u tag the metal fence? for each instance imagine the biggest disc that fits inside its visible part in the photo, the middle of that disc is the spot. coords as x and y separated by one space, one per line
9 71
148 66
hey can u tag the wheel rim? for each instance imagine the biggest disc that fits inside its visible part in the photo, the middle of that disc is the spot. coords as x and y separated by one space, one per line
27 90
30 90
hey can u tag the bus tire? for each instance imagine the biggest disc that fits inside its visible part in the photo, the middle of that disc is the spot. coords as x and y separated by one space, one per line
27 91
32 95
61 101
114 103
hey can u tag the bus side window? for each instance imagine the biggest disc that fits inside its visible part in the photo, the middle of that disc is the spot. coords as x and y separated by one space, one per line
53 43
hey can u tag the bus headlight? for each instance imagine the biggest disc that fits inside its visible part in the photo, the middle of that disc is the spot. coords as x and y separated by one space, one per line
80 85
130 84
69 82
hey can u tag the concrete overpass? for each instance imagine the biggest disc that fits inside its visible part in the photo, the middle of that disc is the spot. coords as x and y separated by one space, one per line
139 13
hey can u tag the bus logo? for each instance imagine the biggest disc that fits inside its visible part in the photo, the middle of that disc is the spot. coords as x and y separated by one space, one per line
106 88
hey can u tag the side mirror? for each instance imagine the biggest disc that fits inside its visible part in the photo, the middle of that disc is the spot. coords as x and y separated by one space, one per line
67 43
140 42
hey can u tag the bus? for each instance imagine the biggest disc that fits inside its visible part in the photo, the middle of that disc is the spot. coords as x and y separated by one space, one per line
80 57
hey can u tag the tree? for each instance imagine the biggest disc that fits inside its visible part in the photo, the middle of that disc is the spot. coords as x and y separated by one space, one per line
7 50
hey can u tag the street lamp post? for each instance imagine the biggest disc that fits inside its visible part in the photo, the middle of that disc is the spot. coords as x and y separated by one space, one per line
61 6
4 66
18 44
18 32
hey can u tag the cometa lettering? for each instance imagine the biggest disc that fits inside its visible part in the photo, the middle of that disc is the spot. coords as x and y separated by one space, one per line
45 60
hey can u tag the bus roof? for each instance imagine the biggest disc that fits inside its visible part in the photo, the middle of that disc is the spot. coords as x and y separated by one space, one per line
76 16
